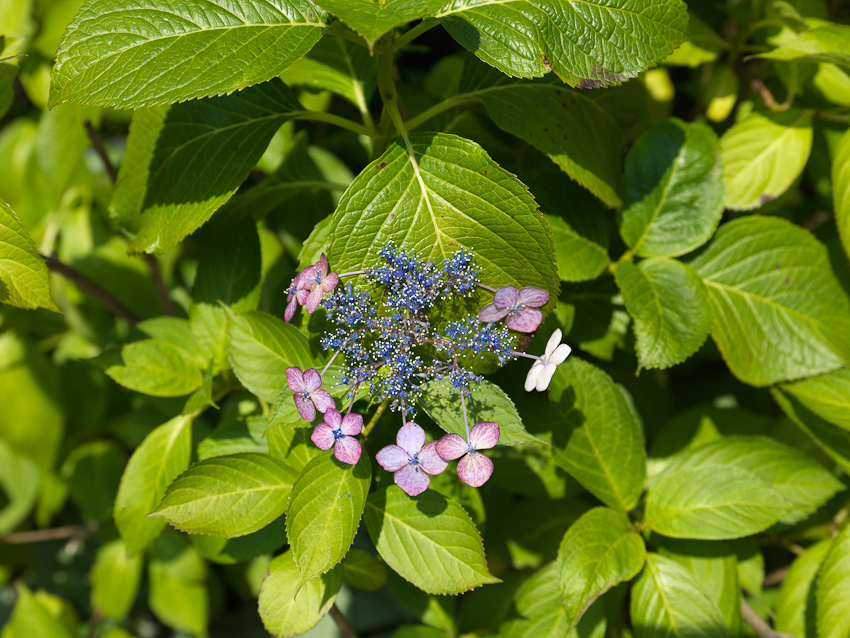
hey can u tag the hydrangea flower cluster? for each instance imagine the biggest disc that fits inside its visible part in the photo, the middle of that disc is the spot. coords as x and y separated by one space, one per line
392 342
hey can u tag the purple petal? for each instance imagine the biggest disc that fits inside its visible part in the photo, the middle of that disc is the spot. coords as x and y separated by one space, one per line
474 469
532 297
312 379
290 310
348 450
314 299
526 320
412 479
322 265
323 436
392 458
323 400
305 407
451 447
330 282
352 424
506 297
430 461
301 296
302 280
333 418
410 438
295 379
491 313
484 435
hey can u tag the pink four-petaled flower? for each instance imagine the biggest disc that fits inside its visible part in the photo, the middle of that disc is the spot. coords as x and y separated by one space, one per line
412 460
309 396
518 307
299 283
338 432
316 283
474 468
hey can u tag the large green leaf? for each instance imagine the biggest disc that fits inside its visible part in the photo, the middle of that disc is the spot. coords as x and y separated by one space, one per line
178 595
595 435
778 313
34 615
589 44
19 482
324 512
286 609
363 570
374 18
762 156
668 602
229 269
24 280
674 189
184 161
444 195
579 258
487 403
115 578
156 367
830 43
228 496
600 550
669 304
161 457
833 589
429 540
827 395
170 52
841 189
795 604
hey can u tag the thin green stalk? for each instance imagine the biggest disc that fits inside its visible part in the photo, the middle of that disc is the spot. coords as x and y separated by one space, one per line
342 122
415 32
375 418
440 107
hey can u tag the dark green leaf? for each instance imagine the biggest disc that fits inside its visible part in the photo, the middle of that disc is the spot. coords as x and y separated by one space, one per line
374 18
363 570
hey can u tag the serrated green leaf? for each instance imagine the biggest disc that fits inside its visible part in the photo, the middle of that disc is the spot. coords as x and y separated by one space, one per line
762 156
292 446
177 588
674 189
579 258
588 44
287 610
795 604
184 161
595 435
830 43
115 578
841 189
261 347
174 52
161 457
19 482
363 570
670 308
667 601
32 617
374 18
446 195
488 403
600 550
24 280
176 331
778 313
827 395
157 368
530 470
429 540
234 434
229 551
229 269
833 589
228 496
703 45
324 512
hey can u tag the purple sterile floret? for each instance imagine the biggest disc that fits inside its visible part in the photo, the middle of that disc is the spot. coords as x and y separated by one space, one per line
338 432
309 396
296 292
412 460
518 307
317 284
473 468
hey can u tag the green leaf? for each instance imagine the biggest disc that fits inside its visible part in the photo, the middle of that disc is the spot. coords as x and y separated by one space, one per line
830 43
579 258
261 347
176 331
93 471
535 529
669 304
762 156
674 190
578 135
161 457
174 52
158 368
177 589
778 313
841 189
33 618
596 436
19 481
833 589
600 550
230 551
374 18
287 610
24 280
228 496
234 434
363 570
703 45
8 71
446 194
324 512
795 604
488 403
667 601
429 540
827 395
184 161
229 269
588 44
115 580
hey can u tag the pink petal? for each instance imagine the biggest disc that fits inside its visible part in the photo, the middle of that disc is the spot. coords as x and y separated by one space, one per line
412 479
506 297
410 438
302 295
484 435
305 407
323 436
333 418
491 313
451 447
352 424
305 277
312 379
348 450
533 297
430 461
290 310
526 320
313 299
322 265
474 469
392 458
330 282
323 400
295 379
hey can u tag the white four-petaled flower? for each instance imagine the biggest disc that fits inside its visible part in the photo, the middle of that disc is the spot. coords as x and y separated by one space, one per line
541 372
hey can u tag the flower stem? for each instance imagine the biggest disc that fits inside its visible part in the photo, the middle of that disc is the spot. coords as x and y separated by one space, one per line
415 32
381 409
485 287
352 273
342 122
465 419
331 360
